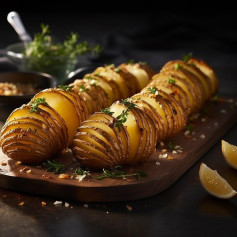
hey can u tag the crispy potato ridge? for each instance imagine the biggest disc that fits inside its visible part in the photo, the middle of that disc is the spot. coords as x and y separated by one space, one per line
128 131
35 136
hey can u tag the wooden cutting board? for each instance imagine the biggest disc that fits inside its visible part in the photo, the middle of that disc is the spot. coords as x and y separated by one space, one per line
163 169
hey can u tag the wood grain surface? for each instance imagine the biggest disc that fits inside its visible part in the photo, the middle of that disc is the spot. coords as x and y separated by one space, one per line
163 169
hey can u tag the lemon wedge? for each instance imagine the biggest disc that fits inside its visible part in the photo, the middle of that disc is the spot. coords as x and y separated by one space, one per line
229 152
215 184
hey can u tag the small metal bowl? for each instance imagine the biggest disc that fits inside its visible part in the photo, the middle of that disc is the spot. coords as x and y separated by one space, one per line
39 80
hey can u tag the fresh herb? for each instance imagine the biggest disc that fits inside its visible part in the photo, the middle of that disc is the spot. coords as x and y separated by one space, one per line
116 173
65 87
178 66
93 81
171 145
96 74
35 104
189 128
82 88
46 55
216 99
171 81
80 171
131 61
111 65
120 119
128 103
107 111
54 166
152 90
186 57
117 69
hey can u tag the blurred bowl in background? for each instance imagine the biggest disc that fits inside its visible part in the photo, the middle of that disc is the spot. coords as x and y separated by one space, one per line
57 66
35 81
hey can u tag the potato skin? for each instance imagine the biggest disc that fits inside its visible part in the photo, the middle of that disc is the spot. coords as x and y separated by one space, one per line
33 137
161 110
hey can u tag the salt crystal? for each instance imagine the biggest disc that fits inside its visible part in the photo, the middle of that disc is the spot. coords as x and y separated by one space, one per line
58 203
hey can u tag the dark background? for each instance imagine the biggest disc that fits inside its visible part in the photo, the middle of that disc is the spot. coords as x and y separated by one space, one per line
155 32
151 31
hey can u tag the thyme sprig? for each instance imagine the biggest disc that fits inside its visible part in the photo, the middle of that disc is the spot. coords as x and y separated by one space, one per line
120 119
152 90
186 57
80 171
171 145
54 166
35 104
107 111
113 173
117 173
128 103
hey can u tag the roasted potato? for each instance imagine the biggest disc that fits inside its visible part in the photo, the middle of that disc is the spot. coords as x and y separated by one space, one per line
46 125
134 126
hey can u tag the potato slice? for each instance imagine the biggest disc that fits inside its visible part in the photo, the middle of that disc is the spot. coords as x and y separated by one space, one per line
139 73
131 124
148 109
89 155
109 72
130 80
104 136
46 119
161 82
208 71
204 79
64 106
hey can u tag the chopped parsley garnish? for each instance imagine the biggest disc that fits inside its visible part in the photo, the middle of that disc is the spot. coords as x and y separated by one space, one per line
107 111
111 65
82 88
117 69
178 66
152 90
35 104
186 57
131 61
128 103
65 87
171 81
96 74
93 81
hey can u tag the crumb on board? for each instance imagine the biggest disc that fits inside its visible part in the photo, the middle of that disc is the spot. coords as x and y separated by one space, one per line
129 208
58 203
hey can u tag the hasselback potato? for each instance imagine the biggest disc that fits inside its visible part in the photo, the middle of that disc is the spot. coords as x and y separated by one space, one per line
127 132
46 125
